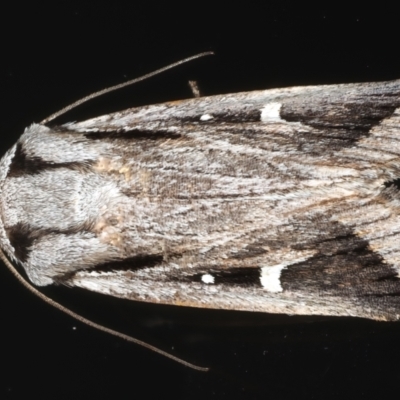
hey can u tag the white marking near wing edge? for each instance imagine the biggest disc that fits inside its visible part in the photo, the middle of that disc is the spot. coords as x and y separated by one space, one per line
207 278
206 117
271 112
271 278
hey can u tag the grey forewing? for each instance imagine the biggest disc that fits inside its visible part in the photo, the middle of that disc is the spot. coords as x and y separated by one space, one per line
206 197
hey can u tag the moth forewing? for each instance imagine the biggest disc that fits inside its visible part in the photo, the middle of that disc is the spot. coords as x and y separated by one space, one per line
283 201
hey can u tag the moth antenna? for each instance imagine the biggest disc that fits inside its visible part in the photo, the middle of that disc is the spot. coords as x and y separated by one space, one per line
90 323
122 85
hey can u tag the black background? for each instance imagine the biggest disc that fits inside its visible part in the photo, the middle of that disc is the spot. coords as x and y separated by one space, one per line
55 53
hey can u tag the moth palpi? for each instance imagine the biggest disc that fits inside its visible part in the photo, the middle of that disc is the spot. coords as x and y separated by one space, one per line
279 201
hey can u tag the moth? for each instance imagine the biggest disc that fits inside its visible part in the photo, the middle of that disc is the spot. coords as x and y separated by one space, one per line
279 201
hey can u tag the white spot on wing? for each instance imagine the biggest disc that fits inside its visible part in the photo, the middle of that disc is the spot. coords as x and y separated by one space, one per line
206 117
271 112
271 278
207 278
